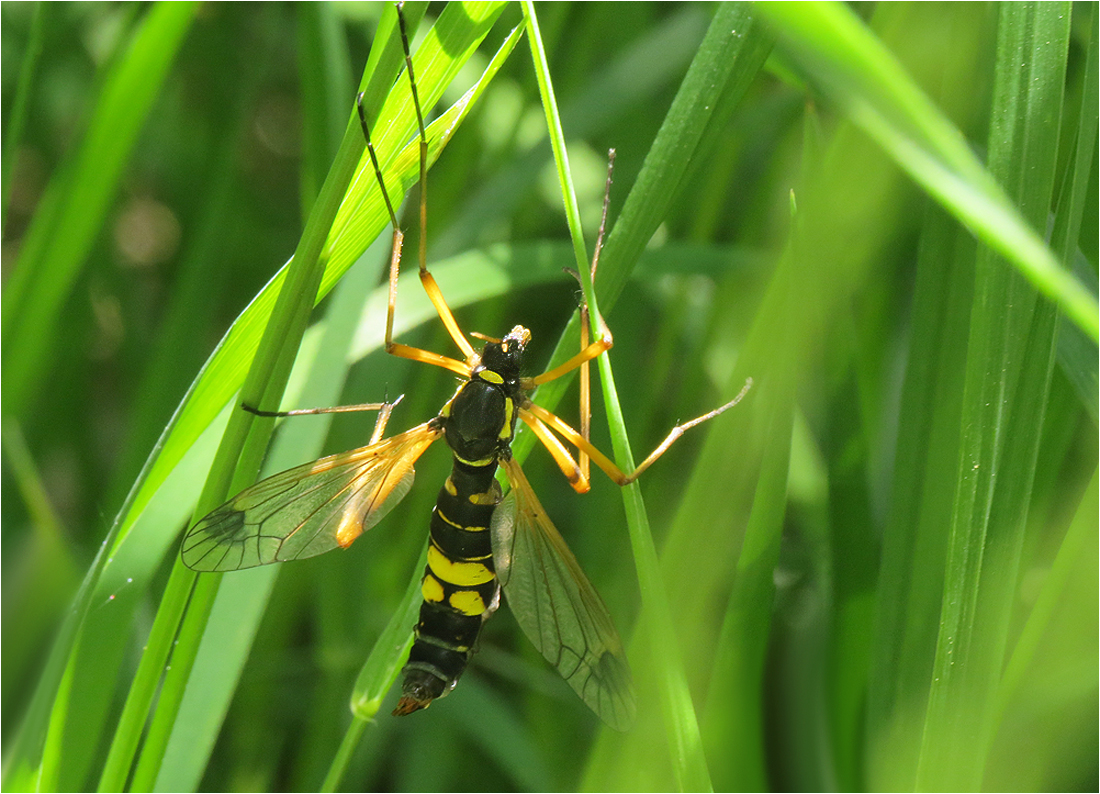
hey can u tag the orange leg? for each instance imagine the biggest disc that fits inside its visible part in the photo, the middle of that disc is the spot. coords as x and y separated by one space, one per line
428 357
426 279
569 467
384 410
589 351
444 311
585 375
596 348
429 283
563 429
586 394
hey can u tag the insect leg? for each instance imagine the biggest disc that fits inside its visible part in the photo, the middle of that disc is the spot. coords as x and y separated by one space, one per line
562 428
586 324
578 478
591 350
601 345
384 410
405 351
426 279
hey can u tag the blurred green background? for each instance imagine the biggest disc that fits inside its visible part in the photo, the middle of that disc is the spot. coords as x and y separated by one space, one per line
881 567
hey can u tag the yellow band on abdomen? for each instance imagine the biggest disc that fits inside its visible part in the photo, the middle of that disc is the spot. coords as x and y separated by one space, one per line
462 574
468 602
431 589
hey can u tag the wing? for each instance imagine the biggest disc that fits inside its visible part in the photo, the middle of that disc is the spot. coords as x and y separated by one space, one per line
556 605
310 509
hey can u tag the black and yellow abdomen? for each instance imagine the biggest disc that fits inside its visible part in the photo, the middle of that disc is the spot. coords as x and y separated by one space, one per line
460 586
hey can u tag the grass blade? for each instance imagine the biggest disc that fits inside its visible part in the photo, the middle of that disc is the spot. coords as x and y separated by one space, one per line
1002 410
802 540
861 76
73 210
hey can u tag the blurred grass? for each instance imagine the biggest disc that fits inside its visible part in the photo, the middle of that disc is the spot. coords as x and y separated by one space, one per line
842 592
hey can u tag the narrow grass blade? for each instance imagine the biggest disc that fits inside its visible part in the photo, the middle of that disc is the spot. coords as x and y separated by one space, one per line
1009 359
718 78
72 212
242 599
714 74
139 504
709 72
268 375
378 673
841 56
269 370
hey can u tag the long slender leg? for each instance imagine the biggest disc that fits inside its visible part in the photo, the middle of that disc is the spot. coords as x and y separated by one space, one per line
589 350
426 279
384 410
398 235
405 351
335 409
583 460
585 374
562 428
569 467
535 416
589 353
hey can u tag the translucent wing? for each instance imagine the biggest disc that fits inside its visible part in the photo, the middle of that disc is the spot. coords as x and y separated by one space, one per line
310 509
556 605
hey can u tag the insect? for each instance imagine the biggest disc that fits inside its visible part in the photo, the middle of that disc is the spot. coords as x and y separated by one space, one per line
482 542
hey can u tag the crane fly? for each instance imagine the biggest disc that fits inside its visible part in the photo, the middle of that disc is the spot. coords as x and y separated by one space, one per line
482 542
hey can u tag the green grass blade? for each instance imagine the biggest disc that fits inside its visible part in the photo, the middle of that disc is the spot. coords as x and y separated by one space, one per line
911 571
232 616
720 71
361 217
635 79
1002 412
841 56
72 212
802 538
719 77
140 505
708 74
378 673
914 539
388 655
561 156
241 600
343 754
269 372
689 761
714 75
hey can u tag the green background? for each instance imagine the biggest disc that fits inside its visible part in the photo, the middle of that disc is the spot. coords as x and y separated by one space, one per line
880 569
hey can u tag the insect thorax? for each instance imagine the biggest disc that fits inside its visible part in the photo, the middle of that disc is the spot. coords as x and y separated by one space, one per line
480 419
